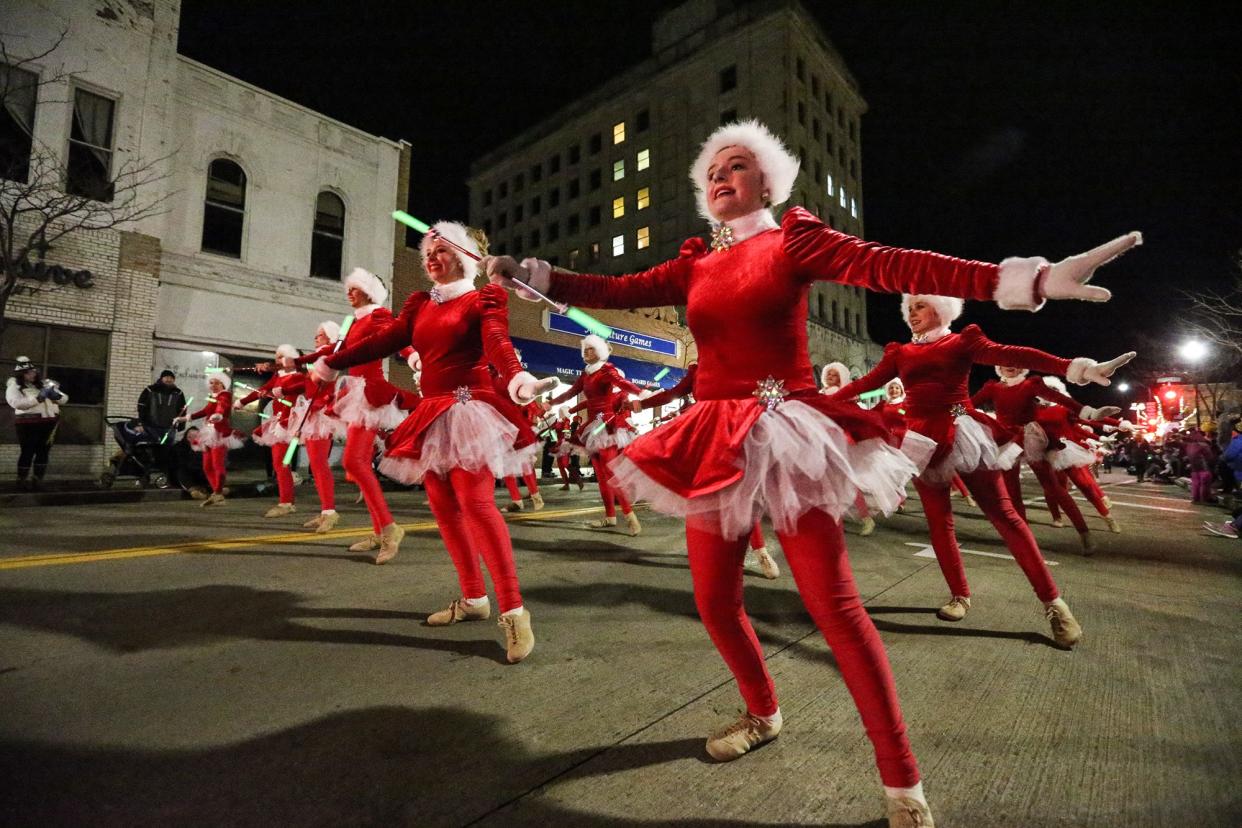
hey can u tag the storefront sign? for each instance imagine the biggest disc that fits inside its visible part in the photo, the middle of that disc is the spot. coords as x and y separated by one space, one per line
56 274
620 336
566 364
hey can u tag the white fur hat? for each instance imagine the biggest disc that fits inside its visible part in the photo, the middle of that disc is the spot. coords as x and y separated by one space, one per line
368 283
1055 384
330 329
287 351
457 234
843 373
947 308
895 382
1022 372
779 166
602 350
221 374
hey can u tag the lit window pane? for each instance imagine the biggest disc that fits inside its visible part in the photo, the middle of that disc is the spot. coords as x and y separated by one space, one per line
853 208
644 159
618 170
618 207
843 198
644 238
830 184
618 132
644 198
618 245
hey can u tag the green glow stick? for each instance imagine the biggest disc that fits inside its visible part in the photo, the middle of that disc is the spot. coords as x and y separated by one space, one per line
340 339
599 428
589 322
293 447
164 439
663 373
867 395
263 416
411 222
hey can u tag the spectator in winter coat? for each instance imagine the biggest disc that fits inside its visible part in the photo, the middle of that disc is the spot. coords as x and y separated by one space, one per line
1197 452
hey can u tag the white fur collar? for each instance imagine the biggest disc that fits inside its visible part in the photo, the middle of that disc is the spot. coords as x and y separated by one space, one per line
752 224
596 366
446 293
930 336
364 311
283 373
897 401
1013 380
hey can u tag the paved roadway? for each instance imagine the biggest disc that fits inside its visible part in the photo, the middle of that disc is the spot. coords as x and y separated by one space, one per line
163 664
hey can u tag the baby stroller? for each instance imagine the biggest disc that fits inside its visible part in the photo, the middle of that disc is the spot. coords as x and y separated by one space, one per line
136 456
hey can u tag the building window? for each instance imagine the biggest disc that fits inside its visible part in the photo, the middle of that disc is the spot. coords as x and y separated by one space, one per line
534 238
828 141
519 181
854 130
618 207
536 173
840 116
819 306
800 69
574 188
575 154
618 133
819 170
802 113
836 314
554 164
814 86
830 192
554 197
90 146
596 180
502 220
853 208
815 130
728 79
728 116
518 215
644 159
574 224
643 238
642 120
843 199
594 253
487 227
644 198
596 144
17 121
841 154
536 204
854 168
857 323
593 217
828 100
554 231
574 254
487 197
618 169
75 358
503 189
328 237
224 212
618 245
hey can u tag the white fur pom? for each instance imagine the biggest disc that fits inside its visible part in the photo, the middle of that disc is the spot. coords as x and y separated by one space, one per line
1015 287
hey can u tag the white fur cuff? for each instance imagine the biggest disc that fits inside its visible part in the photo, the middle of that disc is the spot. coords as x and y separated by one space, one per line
1077 372
540 278
519 379
322 372
1015 286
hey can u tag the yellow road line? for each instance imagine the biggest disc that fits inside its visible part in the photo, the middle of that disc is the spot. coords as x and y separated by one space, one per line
190 547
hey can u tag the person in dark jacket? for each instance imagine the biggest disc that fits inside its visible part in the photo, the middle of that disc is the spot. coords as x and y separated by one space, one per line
158 405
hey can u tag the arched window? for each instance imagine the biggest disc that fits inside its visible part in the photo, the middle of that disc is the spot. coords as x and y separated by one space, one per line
836 314
328 237
224 213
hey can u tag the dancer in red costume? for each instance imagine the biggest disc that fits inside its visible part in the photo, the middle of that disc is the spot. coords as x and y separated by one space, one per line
605 432
935 370
461 436
832 378
1015 398
761 439
757 555
533 412
316 425
284 388
367 403
217 436
566 430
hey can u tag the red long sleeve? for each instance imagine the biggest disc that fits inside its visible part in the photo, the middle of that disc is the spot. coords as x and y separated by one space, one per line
984 351
683 387
885 370
573 391
390 337
664 284
494 325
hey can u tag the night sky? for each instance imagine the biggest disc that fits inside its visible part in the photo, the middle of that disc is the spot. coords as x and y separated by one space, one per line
994 129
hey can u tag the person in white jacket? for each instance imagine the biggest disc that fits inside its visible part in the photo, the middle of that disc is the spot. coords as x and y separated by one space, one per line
36 411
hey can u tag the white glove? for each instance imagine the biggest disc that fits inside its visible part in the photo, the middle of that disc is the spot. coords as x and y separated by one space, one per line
415 362
1067 279
1126 425
215 418
1083 370
277 392
524 387
322 372
506 272
237 406
1089 413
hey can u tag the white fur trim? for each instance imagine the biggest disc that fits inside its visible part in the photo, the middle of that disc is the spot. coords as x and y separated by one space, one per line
457 233
1056 384
220 374
1022 372
779 166
843 373
322 372
287 351
752 224
330 329
364 311
454 289
947 308
414 361
520 379
368 283
1077 372
1015 286
602 349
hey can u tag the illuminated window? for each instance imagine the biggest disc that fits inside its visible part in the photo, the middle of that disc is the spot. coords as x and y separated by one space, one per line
618 133
644 238
843 198
853 208
618 245
618 170
644 159
644 198
618 207
830 192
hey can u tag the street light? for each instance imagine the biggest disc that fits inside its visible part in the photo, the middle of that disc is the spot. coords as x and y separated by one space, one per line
1123 387
1192 350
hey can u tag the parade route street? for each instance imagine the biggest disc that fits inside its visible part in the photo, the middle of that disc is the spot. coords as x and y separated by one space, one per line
163 664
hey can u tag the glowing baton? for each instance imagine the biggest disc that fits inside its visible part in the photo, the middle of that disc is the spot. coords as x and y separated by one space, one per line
293 447
870 395
257 391
184 409
663 373
599 428
340 339
581 317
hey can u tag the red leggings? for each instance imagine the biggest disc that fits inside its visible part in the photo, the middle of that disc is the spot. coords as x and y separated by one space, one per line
562 465
756 536
532 485
318 451
961 487
214 460
359 449
610 495
1055 493
1085 481
816 555
464 506
989 493
284 477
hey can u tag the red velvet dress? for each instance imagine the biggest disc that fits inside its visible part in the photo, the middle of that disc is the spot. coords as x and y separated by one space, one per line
1017 407
274 430
365 397
732 457
600 400
461 421
219 433
936 376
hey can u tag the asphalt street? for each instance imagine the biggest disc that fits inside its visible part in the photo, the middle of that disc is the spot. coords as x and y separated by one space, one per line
166 664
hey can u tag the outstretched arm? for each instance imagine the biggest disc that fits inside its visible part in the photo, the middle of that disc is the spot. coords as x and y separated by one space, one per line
885 370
